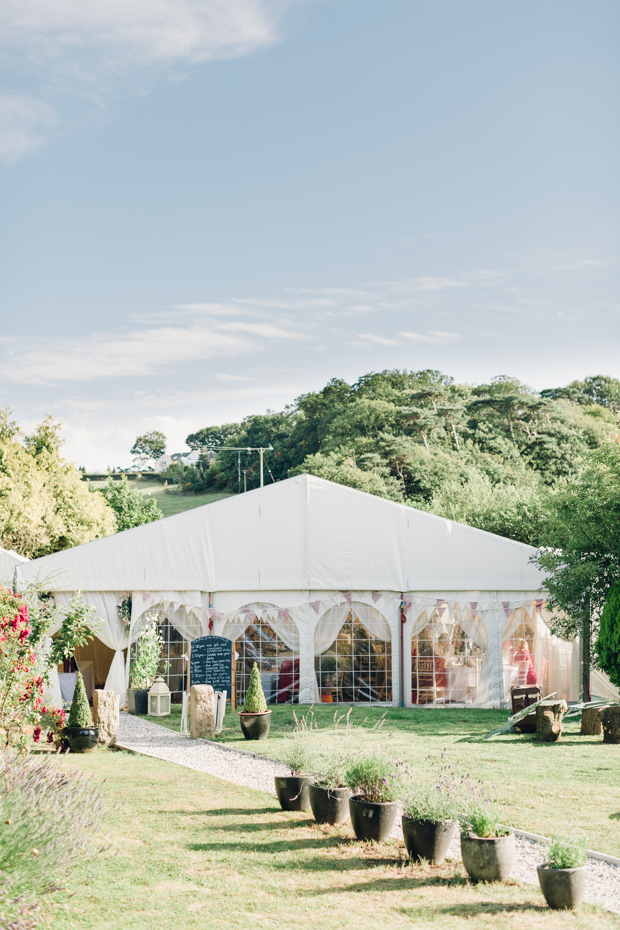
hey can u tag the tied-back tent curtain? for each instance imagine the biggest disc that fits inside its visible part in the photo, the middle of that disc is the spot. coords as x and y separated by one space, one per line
333 620
555 660
440 617
112 632
285 630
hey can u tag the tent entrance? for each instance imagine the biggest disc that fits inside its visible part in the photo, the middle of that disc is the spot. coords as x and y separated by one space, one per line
356 665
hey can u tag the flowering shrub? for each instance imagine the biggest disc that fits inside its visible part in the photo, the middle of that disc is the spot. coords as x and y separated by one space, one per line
146 658
23 713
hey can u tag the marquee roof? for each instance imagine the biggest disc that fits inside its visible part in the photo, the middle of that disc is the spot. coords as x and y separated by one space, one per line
8 561
303 533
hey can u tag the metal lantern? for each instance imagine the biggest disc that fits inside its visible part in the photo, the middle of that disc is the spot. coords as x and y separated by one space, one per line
159 698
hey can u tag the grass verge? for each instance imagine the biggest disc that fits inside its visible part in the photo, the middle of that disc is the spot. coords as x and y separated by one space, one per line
543 787
189 851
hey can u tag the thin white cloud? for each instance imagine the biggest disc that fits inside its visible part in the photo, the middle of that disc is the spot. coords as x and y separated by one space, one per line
94 51
377 340
24 124
222 376
434 336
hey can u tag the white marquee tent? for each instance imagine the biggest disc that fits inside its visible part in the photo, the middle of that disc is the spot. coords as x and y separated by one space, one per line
339 595
8 561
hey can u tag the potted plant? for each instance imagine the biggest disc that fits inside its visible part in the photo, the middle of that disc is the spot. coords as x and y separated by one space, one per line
292 790
430 816
255 719
373 807
329 792
79 732
144 668
563 876
488 849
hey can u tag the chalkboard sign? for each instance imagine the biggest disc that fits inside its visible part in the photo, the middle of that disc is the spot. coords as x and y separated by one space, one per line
211 663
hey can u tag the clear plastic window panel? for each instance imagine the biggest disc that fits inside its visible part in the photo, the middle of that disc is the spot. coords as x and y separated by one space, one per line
172 666
356 668
446 663
277 663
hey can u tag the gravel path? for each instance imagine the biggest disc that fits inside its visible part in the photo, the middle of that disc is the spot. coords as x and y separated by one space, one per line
252 772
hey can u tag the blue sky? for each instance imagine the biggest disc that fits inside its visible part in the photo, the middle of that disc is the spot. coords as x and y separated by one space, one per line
208 207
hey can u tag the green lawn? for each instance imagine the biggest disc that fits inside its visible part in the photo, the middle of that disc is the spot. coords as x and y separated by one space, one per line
170 504
190 852
542 786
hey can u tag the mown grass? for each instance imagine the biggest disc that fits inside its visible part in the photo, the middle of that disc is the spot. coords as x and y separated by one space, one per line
172 503
543 787
190 851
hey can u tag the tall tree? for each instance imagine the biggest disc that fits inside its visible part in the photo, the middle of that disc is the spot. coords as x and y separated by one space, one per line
149 446
130 506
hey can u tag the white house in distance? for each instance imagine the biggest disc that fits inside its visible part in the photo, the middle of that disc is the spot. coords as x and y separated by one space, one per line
340 596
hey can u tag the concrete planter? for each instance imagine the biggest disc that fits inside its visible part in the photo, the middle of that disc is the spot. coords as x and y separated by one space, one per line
564 889
427 840
255 726
371 821
292 792
138 701
329 805
488 859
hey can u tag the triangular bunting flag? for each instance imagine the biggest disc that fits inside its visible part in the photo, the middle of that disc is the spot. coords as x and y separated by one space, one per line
375 596
316 605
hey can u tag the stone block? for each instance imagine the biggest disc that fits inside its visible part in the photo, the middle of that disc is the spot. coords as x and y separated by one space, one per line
201 712
104 716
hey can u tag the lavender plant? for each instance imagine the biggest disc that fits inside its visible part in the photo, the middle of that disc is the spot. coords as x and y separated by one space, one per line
566 852
480 814
373 778
435 802
297 752
333 757
49 819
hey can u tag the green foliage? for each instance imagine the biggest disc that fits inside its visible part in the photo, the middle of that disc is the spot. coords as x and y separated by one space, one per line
608 643
146 660
582 538
79 626
298 750
49 819
489 455
131 508
44 504
434 798
151 445
80 715
566 853
373 777
255 702
482 819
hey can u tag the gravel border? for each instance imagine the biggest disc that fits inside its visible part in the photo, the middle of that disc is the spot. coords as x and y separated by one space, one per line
252 770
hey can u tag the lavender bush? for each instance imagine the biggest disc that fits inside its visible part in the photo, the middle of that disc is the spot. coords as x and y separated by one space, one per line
49 819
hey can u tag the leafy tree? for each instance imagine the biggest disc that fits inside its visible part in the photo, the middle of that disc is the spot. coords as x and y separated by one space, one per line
582 539
608 643
44 504
149 446
130 507
371 477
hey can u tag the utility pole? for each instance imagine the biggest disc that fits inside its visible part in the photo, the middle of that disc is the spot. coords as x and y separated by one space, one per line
260 449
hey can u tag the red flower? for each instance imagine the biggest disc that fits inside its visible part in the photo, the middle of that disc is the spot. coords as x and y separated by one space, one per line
37 734
50 737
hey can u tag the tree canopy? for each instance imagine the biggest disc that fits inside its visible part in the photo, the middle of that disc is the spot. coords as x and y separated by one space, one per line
490 455
44 504
149 446
130 507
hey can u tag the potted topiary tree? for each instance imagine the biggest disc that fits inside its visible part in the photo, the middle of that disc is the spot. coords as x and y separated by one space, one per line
488 849
563 876
375 786
292 790
144 667
430 815
79 732
255 719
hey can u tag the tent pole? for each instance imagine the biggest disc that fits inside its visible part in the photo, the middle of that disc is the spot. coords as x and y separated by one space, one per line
403 620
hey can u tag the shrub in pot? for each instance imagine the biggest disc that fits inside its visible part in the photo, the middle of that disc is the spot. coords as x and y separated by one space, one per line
430 814
563 876
145 664
255 719
329 792
375 786
488 849
79 732
292 790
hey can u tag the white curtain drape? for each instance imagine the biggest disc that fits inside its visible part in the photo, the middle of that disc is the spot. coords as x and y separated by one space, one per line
112 633
555 660
333 620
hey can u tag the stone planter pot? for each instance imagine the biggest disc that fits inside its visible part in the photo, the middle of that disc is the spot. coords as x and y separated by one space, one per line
488 860
255 726
292 792
329 805
427 840
564 889
138 701
81 739
371 821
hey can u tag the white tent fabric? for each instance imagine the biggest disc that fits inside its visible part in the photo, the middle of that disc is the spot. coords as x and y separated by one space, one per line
300 548
8 561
